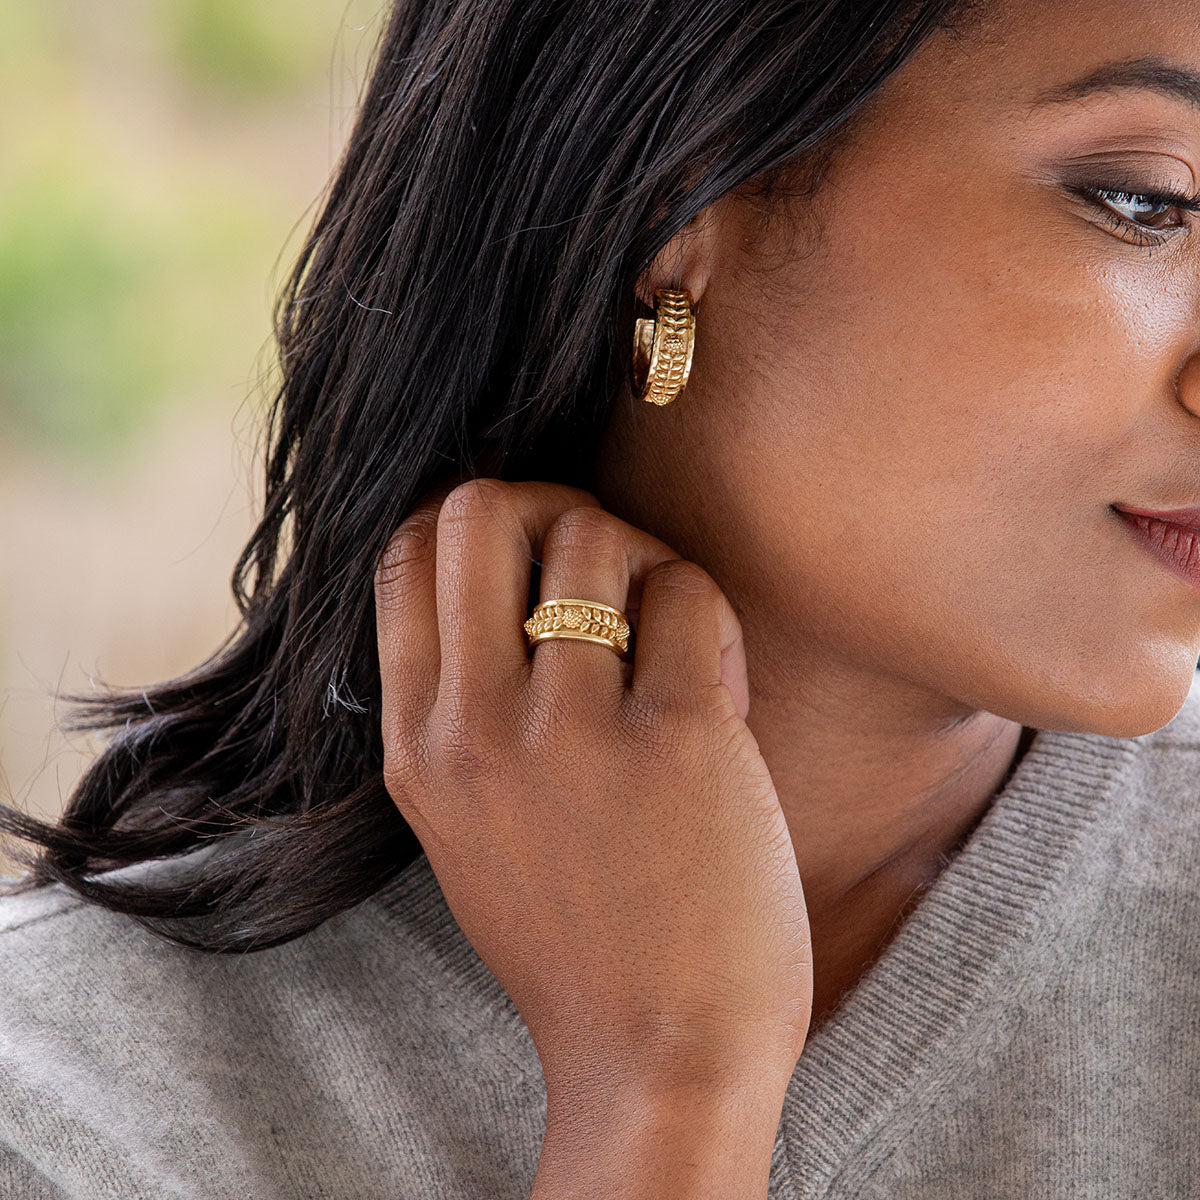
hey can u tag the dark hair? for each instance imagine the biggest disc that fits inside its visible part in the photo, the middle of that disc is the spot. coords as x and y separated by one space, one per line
462 306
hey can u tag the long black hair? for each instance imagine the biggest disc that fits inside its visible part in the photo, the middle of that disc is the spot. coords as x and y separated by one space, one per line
463 305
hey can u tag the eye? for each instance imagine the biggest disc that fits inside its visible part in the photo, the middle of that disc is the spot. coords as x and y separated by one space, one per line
1127 212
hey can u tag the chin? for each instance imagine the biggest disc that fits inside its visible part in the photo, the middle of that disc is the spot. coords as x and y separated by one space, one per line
1127 703
1121 697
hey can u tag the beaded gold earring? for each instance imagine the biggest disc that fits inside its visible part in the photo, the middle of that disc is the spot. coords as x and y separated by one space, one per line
662 347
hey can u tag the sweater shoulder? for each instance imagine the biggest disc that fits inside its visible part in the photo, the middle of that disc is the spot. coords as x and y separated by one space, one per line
66 962
74 962
74 971
345 1062
28 909
96 989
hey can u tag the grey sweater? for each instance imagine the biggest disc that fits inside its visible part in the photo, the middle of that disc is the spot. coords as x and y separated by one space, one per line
1033 1030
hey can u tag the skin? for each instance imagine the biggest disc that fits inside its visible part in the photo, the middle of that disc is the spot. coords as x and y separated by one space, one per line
605 833
868 549
910 410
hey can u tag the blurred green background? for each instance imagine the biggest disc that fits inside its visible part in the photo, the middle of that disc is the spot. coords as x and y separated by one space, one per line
159 163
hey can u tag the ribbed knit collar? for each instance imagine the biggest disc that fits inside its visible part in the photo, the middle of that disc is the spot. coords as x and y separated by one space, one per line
1001 895
964 943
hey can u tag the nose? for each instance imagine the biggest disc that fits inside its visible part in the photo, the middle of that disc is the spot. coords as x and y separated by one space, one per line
1188 385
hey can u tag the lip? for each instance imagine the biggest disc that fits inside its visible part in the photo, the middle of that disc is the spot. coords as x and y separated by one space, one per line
1188 517
1173 538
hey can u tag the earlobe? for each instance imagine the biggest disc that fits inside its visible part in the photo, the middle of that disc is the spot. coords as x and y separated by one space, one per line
685 263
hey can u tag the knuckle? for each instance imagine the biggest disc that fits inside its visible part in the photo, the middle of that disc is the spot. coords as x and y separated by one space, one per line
468 759
407 544
655 717
656 734
563 734
404 765
583 524
543 725
562 700
683 575
466 736
421 523
474 499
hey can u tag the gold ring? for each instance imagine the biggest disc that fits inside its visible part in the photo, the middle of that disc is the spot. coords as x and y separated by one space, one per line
584 619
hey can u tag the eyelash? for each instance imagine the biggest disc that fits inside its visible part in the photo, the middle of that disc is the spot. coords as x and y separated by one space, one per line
1096 197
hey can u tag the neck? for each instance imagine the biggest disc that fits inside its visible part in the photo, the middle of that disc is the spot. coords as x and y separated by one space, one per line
880 780
879 786
869 771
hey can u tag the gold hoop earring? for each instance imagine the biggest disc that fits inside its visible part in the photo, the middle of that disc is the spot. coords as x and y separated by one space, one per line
662 347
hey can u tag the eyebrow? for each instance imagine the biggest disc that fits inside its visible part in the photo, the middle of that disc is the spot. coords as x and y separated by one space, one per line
1151 72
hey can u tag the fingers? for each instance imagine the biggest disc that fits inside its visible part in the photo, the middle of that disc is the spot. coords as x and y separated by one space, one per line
453 591
406 623
587 554
689 638
489 535
452 594
490 532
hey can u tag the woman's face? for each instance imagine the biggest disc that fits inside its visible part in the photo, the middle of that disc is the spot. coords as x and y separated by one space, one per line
900 446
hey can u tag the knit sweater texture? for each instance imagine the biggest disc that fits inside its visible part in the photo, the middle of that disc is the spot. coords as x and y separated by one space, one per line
1032 1031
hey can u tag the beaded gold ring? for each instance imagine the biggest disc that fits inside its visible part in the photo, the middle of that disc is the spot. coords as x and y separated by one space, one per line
584 619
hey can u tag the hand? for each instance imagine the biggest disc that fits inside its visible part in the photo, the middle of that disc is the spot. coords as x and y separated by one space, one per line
606 834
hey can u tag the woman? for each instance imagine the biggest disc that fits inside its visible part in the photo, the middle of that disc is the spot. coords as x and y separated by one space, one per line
855 856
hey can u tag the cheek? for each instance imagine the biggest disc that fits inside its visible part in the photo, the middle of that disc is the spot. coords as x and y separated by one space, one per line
951 449
987 376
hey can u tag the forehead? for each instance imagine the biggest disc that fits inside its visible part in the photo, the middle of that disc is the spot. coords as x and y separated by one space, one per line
1032 67
1024 60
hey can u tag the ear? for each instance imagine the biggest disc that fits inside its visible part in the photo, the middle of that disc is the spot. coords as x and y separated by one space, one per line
687 260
